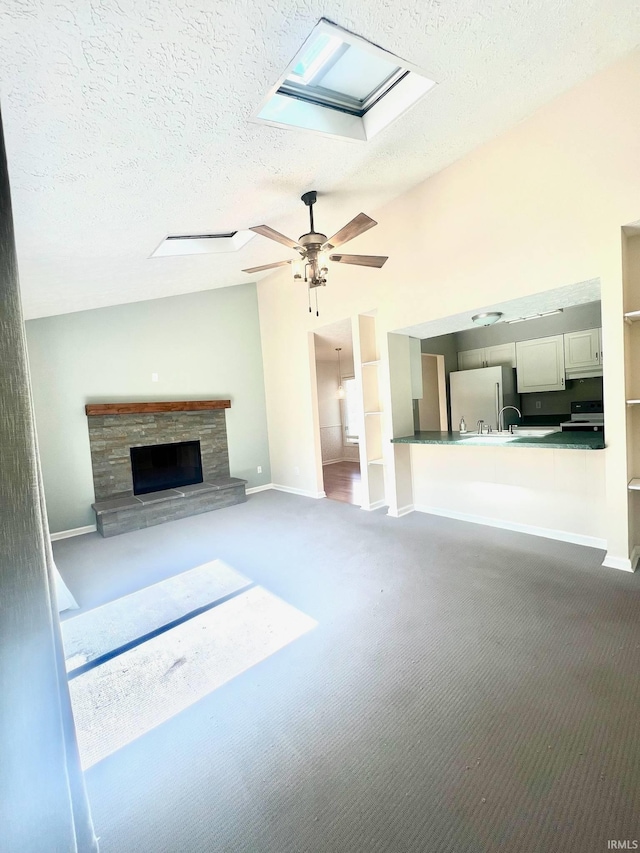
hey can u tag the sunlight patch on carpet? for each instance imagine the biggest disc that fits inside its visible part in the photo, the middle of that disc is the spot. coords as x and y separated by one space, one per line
120 700
95 633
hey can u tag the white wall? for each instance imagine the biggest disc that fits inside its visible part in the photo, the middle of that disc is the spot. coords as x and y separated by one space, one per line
556 491
537 208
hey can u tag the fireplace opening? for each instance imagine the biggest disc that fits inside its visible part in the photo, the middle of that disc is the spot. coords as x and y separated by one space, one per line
165 466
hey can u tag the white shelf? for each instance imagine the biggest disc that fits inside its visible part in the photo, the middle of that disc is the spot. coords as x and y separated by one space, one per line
634 484
381 462
632 316
379 413
369 363
633 402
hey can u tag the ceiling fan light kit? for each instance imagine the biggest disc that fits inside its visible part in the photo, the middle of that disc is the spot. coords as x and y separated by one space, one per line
314 248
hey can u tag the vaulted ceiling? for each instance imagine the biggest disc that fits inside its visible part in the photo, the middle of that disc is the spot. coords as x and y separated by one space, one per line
126 122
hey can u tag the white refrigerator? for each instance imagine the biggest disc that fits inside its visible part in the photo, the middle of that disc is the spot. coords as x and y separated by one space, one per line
480 394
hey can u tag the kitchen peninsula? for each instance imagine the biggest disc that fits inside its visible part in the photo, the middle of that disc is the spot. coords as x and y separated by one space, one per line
554 440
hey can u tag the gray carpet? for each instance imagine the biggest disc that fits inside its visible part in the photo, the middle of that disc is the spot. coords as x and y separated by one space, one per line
466 689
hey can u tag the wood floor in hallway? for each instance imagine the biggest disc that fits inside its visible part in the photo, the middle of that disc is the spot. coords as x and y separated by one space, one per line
342 482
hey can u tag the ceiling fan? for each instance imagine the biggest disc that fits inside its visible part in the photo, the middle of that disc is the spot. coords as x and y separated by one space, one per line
314 248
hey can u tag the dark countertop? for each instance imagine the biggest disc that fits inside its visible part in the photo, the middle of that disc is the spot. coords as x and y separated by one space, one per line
555 440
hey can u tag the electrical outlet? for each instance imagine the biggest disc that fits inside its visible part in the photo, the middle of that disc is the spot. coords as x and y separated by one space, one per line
154 377
259 469
538 404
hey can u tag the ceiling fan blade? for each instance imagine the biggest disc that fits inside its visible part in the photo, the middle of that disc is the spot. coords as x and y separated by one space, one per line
275 235
268 266
360 260
358 225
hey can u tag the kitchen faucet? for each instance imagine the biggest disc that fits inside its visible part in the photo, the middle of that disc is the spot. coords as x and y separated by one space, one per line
501 417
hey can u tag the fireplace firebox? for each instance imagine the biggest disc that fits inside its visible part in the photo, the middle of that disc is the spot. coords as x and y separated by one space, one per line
165 466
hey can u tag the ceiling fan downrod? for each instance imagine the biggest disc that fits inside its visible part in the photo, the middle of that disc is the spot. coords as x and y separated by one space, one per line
310 199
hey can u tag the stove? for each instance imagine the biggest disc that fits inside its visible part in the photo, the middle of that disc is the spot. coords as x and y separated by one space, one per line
586 416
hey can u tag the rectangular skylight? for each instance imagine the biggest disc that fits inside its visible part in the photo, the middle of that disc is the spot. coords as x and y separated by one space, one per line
202 244
336 72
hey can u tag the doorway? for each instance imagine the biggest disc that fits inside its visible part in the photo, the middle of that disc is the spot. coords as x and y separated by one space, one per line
432 407
338 412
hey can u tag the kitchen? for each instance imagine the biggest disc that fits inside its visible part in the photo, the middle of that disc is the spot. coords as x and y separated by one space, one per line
523 377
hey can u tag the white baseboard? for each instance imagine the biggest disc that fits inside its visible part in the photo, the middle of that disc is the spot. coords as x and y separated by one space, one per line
375 505
342 459
545 532
402 510
622 563
77 531
255 489
303 492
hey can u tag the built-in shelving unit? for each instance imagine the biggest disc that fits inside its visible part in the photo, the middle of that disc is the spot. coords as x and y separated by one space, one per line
631 291
371 458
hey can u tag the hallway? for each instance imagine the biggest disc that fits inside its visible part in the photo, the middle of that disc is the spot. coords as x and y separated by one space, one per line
342 482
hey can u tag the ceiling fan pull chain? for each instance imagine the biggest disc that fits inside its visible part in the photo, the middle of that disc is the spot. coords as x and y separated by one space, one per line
317 312
309 295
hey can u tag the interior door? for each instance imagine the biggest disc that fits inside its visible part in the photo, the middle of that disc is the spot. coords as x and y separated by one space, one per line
432 406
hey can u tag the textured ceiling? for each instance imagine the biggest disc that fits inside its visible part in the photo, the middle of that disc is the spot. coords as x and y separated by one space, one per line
526 306
128 121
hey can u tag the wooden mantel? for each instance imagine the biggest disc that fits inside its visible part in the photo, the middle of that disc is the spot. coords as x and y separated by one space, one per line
153 408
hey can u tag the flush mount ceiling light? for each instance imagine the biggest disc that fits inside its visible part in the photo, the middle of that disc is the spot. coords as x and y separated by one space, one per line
314 249
340 84
486 319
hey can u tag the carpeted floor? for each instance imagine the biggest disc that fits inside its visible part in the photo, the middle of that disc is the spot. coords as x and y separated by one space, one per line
466 689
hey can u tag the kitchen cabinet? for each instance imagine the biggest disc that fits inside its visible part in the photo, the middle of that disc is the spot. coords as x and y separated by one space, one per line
500 354
541 365
492 356
583 353
471 359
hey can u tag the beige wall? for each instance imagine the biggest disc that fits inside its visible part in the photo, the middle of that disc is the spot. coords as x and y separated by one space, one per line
537 208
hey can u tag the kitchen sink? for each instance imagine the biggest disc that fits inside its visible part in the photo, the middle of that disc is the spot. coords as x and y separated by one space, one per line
505 435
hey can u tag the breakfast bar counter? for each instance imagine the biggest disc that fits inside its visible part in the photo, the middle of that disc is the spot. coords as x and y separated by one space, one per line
554 440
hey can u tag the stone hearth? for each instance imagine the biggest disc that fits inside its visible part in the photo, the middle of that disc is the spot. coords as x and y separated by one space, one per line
115 428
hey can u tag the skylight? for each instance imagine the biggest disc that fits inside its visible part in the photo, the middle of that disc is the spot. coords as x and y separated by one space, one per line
342 85
342 76
202 244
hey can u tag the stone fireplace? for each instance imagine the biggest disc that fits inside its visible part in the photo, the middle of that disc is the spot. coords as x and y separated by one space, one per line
116 428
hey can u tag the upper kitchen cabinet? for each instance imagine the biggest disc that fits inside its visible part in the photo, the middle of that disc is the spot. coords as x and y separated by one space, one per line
583 354
471 359
500 354
541 365
492 356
